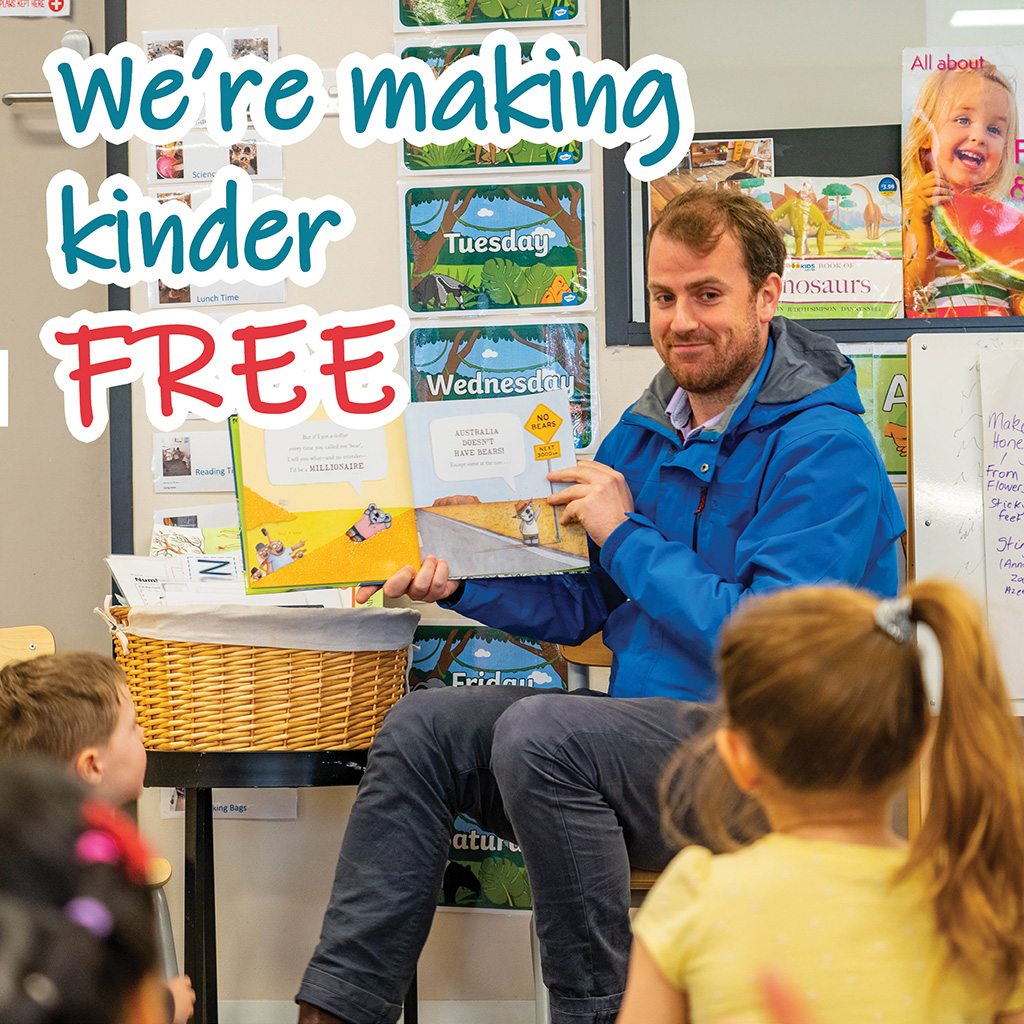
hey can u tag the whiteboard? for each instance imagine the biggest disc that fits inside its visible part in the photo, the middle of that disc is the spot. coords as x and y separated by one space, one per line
947 501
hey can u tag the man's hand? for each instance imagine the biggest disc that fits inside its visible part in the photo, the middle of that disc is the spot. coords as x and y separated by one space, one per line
598 500
431 583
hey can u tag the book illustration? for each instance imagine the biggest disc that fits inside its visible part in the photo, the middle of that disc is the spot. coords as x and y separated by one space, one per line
455 13
709 162
448 363
490 453
466 155
962 195
843 242
498 247
484 871
324 505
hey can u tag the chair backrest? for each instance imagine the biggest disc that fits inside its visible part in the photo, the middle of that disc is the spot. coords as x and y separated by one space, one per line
592 653
19 643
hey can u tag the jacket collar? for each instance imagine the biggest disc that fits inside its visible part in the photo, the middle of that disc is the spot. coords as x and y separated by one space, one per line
798 364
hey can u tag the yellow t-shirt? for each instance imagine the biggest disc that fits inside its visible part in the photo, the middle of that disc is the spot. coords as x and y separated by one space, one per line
825 915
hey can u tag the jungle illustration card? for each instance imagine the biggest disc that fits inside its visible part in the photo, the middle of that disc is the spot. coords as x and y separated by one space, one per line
484 361
963 191
484 871
843 242
464 155
449 14
324 505
493 247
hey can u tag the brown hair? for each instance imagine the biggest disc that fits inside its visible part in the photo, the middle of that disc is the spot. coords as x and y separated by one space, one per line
59 704
699 217
934 102
827 700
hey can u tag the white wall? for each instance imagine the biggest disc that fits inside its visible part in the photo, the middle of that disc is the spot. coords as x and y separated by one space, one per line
273 878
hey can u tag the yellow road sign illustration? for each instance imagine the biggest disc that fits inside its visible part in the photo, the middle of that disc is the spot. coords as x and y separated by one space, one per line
543 423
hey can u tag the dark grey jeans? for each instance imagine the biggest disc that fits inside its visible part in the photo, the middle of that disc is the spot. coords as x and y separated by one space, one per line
572 780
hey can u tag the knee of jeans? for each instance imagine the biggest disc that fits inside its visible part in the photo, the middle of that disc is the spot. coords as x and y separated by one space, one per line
411 719
527 735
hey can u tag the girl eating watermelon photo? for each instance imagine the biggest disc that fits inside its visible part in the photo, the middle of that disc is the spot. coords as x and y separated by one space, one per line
963 245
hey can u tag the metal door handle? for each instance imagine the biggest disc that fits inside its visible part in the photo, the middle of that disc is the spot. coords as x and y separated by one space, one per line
74 39
26 97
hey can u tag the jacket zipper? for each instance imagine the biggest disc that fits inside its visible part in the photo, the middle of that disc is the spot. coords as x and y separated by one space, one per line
696 515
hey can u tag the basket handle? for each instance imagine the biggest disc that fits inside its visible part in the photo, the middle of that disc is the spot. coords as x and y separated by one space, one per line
116 630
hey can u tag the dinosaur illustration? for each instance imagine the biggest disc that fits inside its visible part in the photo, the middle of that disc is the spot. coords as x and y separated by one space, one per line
873 215
805 216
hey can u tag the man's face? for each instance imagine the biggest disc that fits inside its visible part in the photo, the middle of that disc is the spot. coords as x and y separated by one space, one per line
276 546
709 328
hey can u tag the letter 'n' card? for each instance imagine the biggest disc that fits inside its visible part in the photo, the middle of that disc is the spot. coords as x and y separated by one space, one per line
325 505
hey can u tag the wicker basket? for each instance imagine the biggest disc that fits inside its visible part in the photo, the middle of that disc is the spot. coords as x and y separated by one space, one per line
212 696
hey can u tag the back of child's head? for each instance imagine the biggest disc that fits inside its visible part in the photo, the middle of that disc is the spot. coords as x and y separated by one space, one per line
77 935
935 101
824 697
58 704
826 686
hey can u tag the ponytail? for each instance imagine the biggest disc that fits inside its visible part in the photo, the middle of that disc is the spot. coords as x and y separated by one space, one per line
971 842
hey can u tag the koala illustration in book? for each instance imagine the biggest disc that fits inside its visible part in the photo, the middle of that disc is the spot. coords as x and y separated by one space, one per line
526 513
371 523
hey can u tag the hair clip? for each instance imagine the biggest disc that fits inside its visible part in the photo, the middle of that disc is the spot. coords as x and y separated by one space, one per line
122 838
91 915
892 616
94 847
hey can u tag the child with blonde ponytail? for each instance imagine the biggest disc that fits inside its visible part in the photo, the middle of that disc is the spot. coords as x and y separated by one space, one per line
824 713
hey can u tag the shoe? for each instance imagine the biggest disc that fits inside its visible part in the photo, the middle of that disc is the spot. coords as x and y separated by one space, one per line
310 1014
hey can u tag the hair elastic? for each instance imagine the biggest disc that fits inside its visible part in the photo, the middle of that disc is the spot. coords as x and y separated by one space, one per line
892 616
91 915
95 847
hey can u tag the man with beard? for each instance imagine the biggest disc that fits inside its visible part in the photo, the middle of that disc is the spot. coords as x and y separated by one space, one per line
744 467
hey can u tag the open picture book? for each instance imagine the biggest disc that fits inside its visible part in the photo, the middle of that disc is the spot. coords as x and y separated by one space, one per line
326 505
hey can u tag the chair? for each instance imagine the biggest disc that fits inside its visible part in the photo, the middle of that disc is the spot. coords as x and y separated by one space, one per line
19 643
592 653
158 874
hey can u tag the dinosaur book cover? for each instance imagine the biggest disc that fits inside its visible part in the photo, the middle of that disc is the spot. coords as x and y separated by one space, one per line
843 242
453 363
484 871
324 505
464 155
521 245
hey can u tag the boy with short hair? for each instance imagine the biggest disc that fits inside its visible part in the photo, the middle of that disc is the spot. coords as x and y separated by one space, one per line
75 707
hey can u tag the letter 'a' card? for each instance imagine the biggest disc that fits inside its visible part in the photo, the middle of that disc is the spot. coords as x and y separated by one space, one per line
324 505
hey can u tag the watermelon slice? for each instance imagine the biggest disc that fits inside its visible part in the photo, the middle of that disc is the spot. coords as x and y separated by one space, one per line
986 236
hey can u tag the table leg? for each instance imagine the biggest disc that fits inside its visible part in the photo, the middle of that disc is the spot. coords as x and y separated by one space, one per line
411 1011
200 916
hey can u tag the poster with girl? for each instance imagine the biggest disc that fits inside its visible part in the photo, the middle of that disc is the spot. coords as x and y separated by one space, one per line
963 200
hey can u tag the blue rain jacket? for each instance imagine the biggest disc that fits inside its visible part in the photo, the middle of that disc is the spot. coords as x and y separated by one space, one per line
788 488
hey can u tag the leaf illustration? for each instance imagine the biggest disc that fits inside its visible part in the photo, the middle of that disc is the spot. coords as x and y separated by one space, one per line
500 279
504 883
534 282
